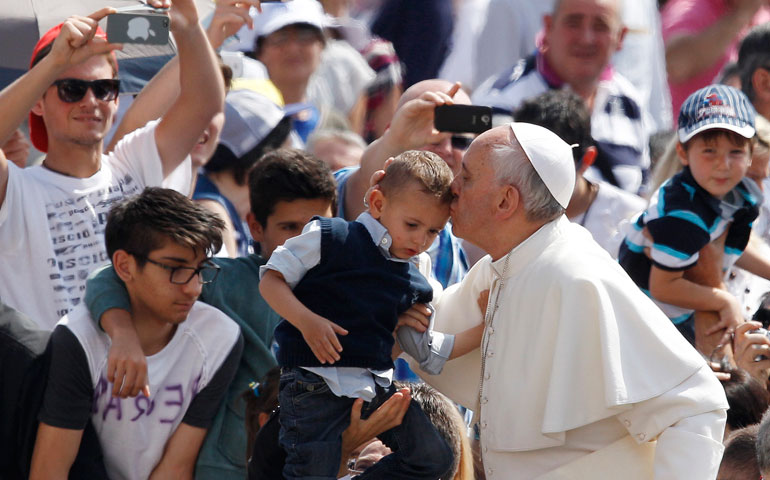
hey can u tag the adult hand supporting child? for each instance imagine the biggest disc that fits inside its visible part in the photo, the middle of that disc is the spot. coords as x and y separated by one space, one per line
750 346
388 415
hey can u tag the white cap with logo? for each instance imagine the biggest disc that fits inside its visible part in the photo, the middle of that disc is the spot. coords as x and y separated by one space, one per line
550 156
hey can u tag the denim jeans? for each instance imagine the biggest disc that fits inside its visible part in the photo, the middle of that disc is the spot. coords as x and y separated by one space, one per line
313 419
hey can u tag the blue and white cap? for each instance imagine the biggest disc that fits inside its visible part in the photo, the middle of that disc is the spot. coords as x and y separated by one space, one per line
716 106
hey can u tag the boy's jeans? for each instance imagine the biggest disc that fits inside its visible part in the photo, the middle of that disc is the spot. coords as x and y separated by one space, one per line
313 419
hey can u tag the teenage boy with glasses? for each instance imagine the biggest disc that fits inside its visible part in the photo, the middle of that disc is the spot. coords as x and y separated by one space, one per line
52 216
159 242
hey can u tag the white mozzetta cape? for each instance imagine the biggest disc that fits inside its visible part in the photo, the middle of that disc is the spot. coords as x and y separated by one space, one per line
574 342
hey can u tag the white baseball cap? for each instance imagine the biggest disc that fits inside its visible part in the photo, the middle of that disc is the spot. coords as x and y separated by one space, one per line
275 16
550 156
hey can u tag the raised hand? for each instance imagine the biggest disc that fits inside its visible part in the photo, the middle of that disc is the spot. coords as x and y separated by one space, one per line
78 41
229 17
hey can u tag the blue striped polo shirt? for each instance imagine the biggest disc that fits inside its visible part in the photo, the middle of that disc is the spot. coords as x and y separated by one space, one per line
681 219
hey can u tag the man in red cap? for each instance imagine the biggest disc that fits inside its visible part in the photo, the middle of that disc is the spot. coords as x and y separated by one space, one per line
52 216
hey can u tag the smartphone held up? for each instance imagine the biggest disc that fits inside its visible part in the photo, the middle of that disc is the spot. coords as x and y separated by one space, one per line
463 118
138 27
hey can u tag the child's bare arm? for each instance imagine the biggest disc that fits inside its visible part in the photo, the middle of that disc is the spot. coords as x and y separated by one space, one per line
671 287
753 260
319 333
467 341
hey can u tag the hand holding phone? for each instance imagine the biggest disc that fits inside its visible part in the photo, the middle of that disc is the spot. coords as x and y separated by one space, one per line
463 118
142 28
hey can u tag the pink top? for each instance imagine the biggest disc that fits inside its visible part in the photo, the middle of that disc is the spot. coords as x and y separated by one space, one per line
692 16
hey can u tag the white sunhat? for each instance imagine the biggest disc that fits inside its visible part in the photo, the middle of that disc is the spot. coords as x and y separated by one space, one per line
550 156
275 16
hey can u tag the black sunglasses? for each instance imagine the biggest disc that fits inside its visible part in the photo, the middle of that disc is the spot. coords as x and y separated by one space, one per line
461 142
72 90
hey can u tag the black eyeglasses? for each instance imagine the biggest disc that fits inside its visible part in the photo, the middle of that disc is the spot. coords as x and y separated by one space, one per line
461 142
206 271
72 90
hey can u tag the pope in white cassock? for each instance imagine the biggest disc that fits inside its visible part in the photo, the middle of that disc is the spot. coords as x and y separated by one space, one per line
579 374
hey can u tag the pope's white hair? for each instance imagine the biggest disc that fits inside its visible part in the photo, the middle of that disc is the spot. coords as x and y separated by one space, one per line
512 167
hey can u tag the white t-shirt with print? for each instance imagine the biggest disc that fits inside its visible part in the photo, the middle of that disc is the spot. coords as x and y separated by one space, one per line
52 225
133 432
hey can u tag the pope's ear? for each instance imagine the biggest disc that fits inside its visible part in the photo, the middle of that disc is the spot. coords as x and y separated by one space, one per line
508 202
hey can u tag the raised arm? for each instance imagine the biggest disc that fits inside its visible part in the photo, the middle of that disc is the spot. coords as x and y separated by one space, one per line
412 127
75 44
201 93
690 54
157 97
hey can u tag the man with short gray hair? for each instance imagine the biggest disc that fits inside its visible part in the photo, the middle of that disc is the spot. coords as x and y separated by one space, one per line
579 375
580 37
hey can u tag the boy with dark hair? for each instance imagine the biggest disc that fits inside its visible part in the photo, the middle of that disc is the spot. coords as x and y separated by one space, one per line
353 279
159 242
697 206
600 207
287 188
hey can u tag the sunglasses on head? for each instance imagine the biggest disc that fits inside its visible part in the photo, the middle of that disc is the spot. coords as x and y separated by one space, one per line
72 90
461 142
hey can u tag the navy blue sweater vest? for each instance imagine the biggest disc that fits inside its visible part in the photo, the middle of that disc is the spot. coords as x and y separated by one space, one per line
356 287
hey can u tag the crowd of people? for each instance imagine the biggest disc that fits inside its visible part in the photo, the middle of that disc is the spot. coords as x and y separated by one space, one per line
273 265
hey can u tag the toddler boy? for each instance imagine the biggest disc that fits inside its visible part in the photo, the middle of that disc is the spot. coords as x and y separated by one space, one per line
341 286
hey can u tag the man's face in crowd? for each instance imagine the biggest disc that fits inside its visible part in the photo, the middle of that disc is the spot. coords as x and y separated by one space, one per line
286 221
474 189
292 54
580 38
86 121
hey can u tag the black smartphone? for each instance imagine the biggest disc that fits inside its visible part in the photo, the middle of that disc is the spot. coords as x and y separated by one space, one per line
463 118
144 28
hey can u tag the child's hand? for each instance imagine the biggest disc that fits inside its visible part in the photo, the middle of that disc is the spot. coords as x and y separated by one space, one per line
321 336
417 317
730 315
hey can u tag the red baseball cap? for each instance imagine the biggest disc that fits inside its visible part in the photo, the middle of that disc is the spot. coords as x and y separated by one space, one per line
37 131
